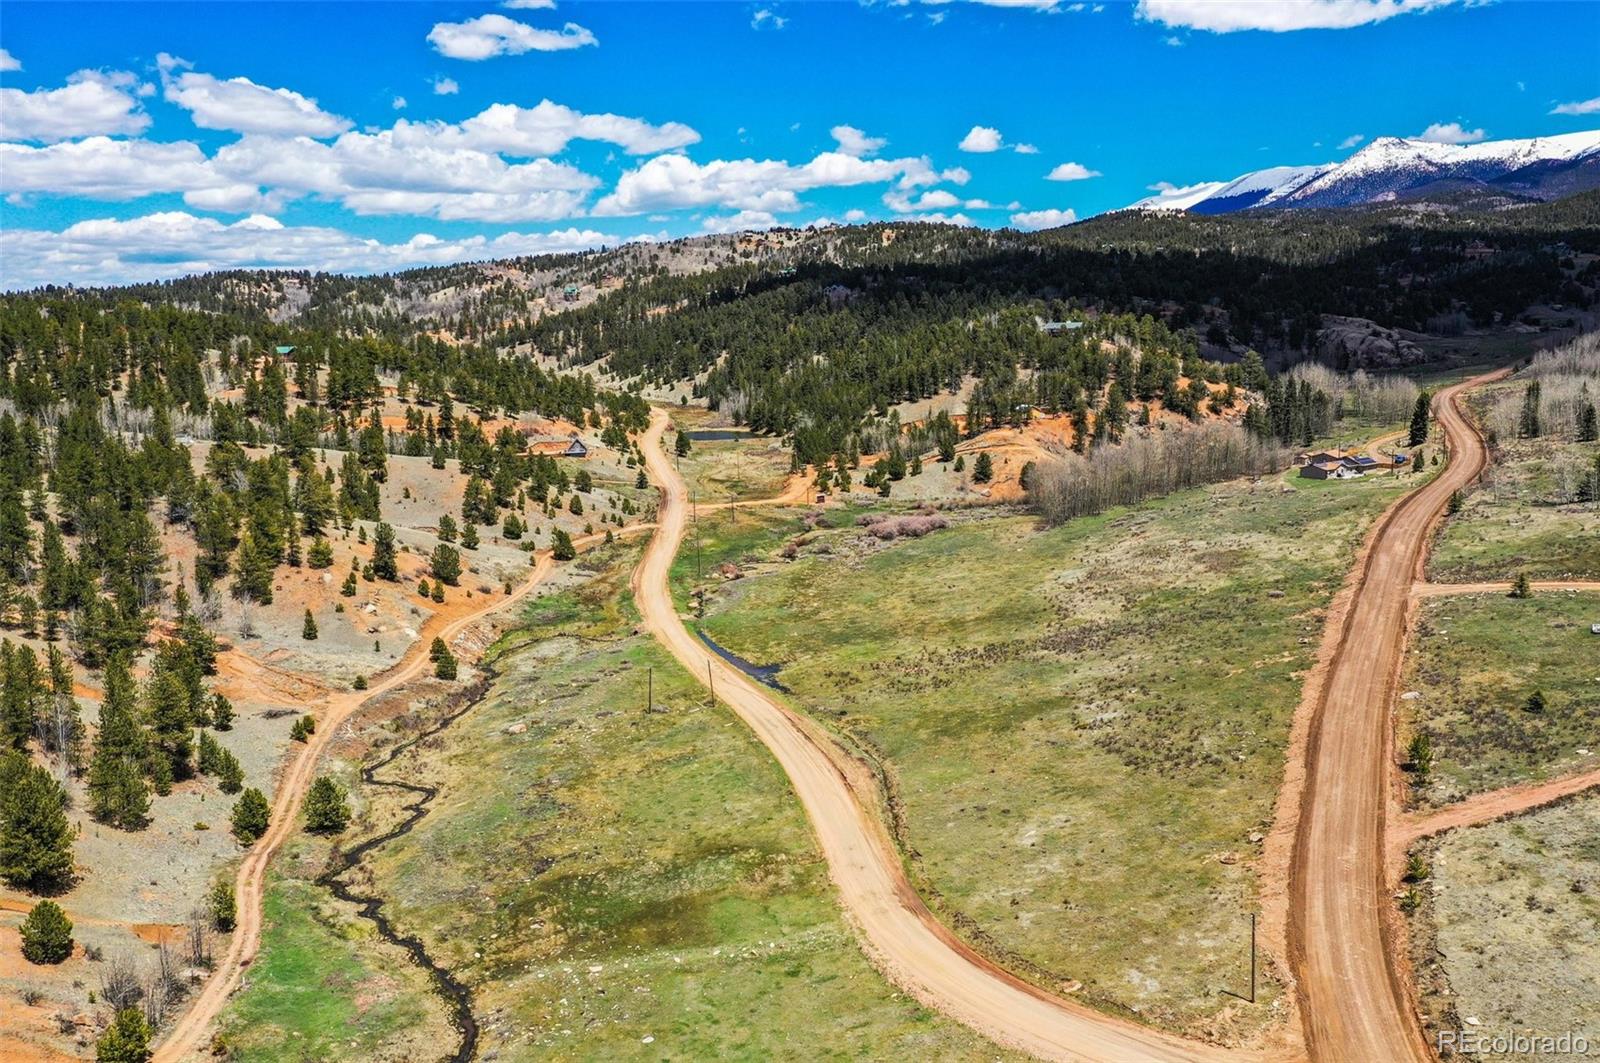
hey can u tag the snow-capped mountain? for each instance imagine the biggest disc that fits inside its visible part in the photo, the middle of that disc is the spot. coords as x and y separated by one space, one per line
1393 167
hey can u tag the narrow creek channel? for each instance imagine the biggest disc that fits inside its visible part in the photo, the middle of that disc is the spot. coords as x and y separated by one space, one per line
456 995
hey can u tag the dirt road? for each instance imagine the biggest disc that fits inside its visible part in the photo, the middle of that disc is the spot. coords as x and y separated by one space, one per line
901 934
1484 808
1354 1003
187 1036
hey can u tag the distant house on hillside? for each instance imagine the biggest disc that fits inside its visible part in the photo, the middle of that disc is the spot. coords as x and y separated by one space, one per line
1318 457
570 293
283 351
575 449
1363 464
1328 470
1056 328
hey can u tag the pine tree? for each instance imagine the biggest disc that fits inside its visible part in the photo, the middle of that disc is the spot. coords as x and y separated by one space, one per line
167 708
118 794
308 629
1419 420
221 712
1528 424
46 934
447 529
469 536
1588 430
327 807
224 907
445 666
383 556
983 470
320 555
1520 587
126 1040
561 547
251 816
22 693
446 564
682 446
35 835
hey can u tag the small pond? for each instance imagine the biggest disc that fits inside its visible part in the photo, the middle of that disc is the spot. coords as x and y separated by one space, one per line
765 674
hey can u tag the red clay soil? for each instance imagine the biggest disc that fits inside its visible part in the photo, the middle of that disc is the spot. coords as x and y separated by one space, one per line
1355 998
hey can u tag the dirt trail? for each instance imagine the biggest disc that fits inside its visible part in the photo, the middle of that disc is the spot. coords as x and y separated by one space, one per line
1355 1003
187 1035
900 933
1483 808
1440 590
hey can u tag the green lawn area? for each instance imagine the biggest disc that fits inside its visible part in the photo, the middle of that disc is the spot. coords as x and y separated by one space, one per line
324 986
1476 660
1084 726
616 882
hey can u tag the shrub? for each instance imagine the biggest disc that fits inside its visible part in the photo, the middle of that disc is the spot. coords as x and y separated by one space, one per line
126 1040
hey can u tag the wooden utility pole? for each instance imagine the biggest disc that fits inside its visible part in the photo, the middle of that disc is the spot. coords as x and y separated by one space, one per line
650 697
1252 957
711 683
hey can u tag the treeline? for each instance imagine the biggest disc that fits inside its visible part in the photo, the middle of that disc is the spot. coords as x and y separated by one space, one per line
1147 465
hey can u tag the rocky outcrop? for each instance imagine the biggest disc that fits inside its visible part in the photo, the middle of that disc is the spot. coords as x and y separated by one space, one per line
1356 343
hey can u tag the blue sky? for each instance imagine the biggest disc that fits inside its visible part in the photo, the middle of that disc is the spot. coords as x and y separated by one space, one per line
374 136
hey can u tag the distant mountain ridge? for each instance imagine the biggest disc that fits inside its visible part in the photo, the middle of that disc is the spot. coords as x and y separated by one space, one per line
1396 168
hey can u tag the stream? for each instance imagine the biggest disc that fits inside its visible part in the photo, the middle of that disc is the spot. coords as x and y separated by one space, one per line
456 995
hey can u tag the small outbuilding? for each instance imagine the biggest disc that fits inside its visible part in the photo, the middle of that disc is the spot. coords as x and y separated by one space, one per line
575 449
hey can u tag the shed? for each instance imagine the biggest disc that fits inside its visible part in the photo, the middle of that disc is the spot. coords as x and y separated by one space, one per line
570 293
284 351
575 449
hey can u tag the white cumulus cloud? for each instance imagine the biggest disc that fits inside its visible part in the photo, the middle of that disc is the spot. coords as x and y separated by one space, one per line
667 182
1351 141
853 141
1030 220
445 87
9 61
93 102
116 170
744 221
1577 107
981 140
767 19
1278 16
242 106
1071 171
175 243
1450 133
547 128
487 36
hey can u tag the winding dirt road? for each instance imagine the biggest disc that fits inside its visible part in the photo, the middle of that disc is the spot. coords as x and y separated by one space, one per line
904 938
1355 1004
187 1036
